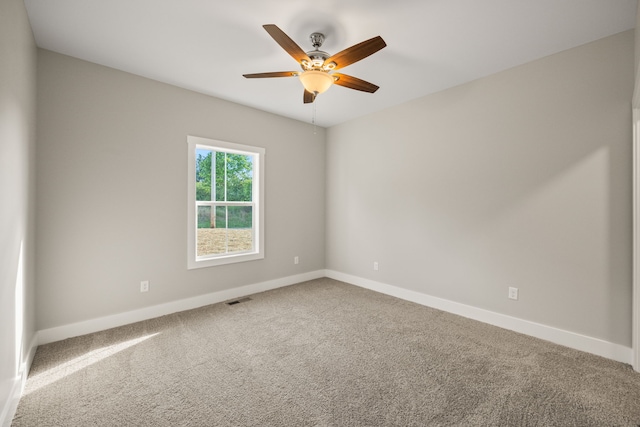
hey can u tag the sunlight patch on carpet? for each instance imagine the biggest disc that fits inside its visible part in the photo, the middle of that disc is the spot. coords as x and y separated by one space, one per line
52 375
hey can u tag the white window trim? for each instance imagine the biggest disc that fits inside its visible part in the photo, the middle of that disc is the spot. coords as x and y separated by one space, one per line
635 305
193 261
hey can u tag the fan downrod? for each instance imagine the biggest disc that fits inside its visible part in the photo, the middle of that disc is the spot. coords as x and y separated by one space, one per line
316 40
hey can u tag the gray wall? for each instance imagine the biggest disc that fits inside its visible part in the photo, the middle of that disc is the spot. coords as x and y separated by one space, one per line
637 39
17 192
112 165
522 179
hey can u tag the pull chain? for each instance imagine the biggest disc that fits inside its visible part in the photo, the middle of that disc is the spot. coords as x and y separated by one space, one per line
313 117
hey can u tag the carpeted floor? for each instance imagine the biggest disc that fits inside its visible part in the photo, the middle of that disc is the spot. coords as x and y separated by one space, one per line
322 353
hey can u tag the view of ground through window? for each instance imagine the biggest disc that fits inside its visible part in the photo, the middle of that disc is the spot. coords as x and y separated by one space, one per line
223 240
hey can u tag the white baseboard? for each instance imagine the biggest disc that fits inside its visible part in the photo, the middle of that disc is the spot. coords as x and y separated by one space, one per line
100 324
9 407
559 336
569 339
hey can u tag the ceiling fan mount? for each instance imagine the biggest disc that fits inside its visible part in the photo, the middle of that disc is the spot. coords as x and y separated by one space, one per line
317 66
316 40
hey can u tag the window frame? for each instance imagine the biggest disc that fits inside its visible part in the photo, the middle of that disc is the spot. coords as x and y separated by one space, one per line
258 153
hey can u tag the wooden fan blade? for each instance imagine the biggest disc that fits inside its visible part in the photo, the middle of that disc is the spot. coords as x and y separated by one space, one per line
309 97
274 74
286 43
356 53
354 83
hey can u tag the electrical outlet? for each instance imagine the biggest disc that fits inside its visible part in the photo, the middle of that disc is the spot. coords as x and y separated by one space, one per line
144 286
513 293
375 265
296 260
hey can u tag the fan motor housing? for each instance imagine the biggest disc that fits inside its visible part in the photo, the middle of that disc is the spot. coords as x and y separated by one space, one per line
317 58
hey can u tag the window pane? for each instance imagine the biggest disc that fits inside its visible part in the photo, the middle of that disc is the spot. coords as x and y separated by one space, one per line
240 233
240 216
239 177
209 239
220 162
221 217
203 174
232 231
204 217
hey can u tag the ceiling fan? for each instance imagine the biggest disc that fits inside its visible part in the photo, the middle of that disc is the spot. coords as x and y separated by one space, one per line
317 66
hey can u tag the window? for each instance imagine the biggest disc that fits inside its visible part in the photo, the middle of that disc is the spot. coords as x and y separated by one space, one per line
226 187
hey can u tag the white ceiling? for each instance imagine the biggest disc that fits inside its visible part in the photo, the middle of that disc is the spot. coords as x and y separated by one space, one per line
206 45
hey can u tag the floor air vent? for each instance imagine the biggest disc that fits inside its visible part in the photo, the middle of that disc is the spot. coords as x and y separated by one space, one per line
238 301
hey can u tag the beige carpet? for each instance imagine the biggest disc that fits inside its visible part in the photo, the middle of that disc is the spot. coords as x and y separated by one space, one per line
322 353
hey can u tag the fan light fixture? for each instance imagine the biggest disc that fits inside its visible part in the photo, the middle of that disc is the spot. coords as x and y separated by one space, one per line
315 81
